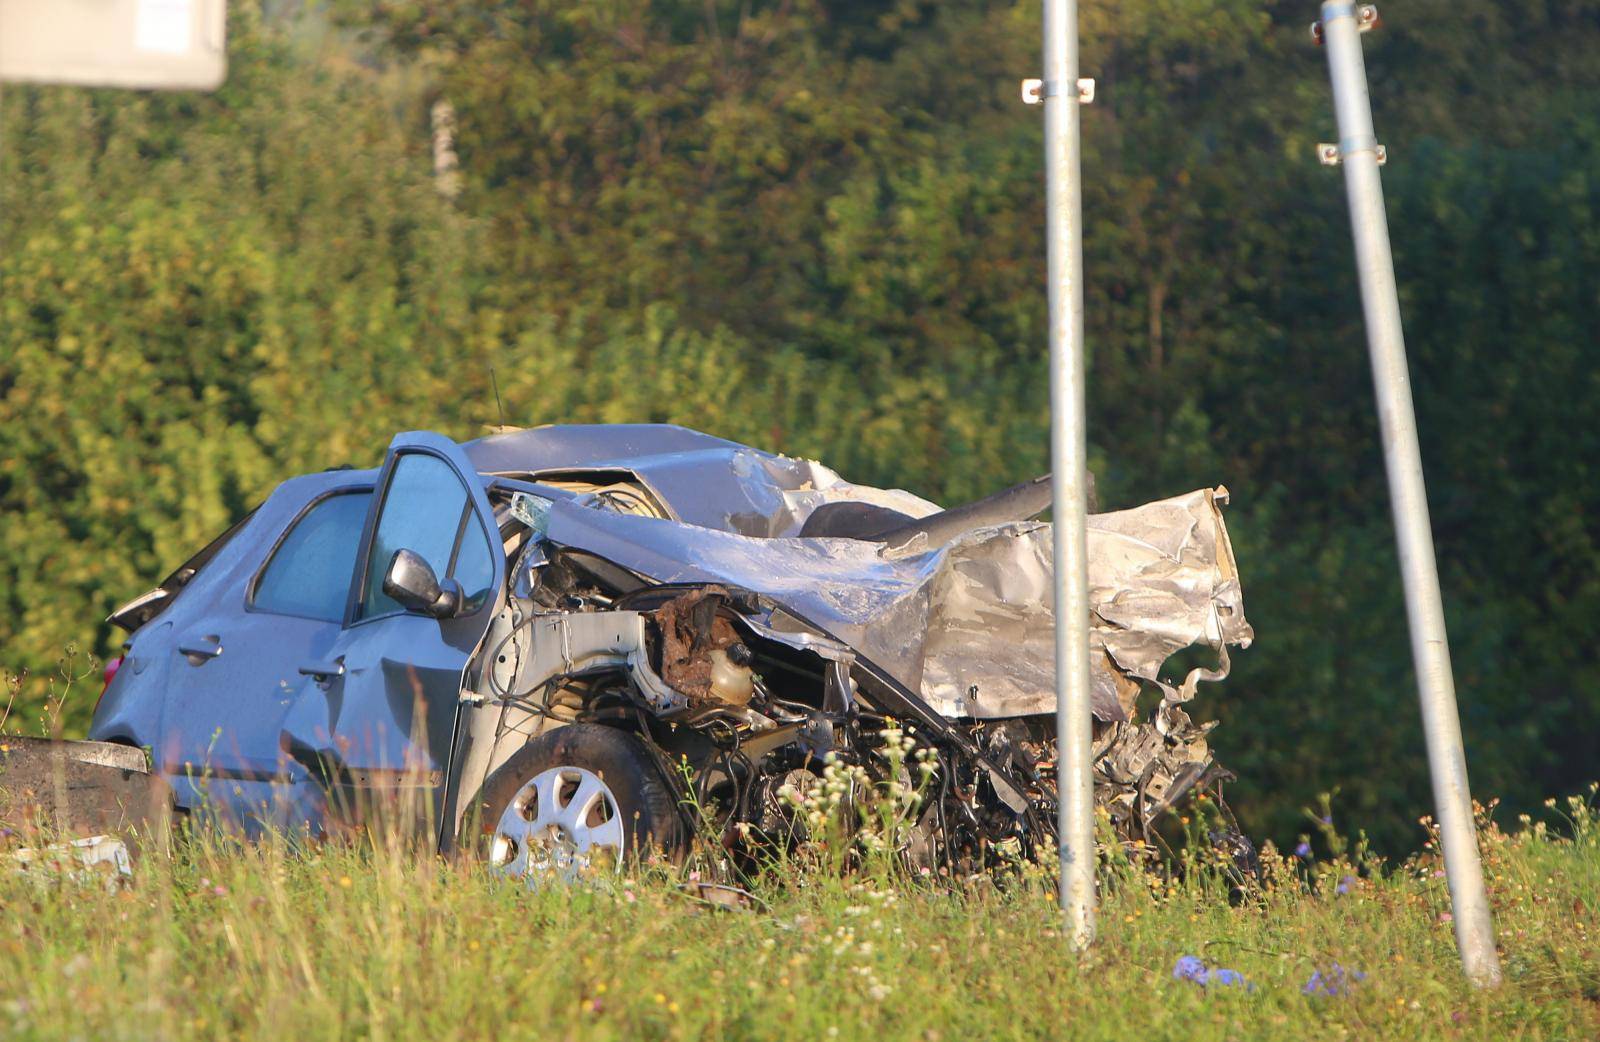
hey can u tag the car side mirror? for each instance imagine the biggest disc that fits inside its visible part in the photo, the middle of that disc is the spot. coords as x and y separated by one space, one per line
410 581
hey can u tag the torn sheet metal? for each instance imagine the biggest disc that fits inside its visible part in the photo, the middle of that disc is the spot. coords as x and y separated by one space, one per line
969 625
1162 577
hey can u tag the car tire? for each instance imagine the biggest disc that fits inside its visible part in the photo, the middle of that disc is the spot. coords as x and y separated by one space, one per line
524 814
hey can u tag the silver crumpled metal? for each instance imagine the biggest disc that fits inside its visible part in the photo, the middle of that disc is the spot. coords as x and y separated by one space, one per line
969 625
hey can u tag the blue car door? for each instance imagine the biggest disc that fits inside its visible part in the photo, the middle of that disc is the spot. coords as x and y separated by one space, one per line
226 652
375 717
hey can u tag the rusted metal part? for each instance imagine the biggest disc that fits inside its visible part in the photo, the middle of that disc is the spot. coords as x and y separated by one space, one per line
701 654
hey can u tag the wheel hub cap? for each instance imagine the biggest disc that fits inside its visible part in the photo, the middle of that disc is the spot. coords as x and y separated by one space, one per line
563 822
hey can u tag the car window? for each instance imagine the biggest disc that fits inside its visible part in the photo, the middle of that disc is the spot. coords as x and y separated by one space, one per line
422 512
474 568
309 573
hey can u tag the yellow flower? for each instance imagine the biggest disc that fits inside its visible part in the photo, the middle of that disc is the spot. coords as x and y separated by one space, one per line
345 882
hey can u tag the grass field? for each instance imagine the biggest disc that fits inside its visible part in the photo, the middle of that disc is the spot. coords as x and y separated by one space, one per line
373 941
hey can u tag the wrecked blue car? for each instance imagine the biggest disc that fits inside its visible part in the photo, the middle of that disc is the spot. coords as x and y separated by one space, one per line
571 644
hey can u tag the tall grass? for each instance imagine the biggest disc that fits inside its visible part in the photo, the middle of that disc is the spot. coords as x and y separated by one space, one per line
376 939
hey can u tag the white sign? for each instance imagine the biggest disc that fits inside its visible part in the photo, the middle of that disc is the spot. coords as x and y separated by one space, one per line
152 44
164 26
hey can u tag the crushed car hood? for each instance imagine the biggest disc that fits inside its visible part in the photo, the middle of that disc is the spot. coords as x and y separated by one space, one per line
967 625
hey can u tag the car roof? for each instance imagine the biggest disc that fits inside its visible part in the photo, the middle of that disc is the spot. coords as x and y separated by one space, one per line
700 478
592 446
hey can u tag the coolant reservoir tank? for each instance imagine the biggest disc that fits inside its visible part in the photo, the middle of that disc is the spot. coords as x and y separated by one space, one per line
730 682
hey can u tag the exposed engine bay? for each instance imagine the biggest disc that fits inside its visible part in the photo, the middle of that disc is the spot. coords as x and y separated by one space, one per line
747 662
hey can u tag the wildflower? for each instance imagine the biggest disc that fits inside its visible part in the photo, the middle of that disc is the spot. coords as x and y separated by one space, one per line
1345 884
219 890
1336 981
1191 968
1303 850
345 882
1224 978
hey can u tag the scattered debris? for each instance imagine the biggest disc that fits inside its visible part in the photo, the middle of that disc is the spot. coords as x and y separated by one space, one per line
722 897
84 860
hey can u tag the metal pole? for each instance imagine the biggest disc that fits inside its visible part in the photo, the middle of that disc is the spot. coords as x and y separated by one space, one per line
1360 154
1068 453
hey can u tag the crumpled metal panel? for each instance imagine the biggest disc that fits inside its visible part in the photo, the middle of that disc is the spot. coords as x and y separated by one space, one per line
969 625
704 480
1162 577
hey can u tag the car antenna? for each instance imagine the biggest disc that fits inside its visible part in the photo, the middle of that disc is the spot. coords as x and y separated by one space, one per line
495 383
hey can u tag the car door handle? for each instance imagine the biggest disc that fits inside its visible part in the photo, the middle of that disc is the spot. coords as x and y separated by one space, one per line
322 671
199 650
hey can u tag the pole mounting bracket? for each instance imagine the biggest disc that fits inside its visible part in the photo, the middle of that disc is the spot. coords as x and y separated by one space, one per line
1035 91
1366 16
1333 155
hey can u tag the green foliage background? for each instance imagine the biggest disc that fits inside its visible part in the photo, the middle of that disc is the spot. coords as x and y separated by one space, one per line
815 225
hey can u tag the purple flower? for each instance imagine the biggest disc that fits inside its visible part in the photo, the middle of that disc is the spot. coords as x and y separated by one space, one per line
1346 884
1303 850
1191 968
1326 819
1335 981
1229 979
